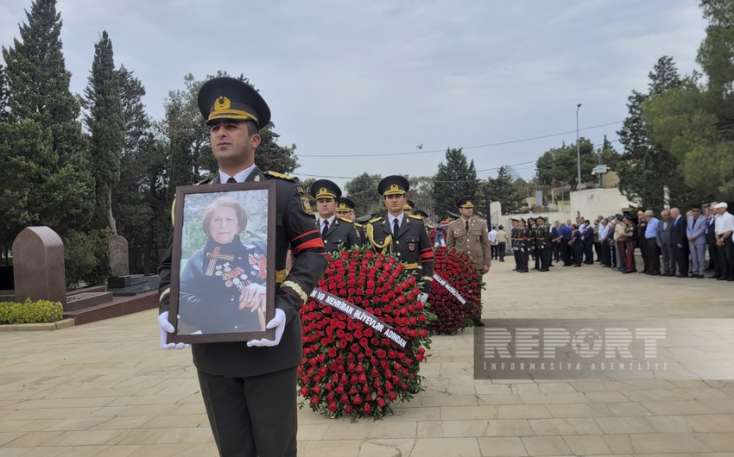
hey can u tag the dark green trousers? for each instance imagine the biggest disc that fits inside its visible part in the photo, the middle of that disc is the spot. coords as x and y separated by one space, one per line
253 416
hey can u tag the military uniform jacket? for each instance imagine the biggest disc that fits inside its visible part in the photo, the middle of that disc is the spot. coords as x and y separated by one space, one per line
341 235
297 231
411 246
542 236
474 242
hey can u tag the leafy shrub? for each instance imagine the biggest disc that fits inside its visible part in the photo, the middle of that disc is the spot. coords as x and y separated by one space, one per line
30 312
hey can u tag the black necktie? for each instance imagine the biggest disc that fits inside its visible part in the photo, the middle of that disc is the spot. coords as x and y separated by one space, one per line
395 227
326 229
467 226
231 180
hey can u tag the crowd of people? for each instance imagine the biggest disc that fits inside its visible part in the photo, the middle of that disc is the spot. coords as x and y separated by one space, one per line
670 244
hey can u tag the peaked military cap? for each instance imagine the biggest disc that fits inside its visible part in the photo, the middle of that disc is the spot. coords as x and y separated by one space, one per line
453 214
323 188
393 185
420 212
230 98
409 205
345 204
465 202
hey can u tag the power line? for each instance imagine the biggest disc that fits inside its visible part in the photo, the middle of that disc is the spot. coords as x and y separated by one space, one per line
478 146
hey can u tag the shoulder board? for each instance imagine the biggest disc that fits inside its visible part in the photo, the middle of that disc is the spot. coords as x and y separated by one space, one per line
275 174
358 225
416 217
206 180
377 219
344 220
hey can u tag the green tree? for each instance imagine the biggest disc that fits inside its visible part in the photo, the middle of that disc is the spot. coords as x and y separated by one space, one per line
4 93
140 199
105 123
559 166
421 192
646 168
43 147
716 56
363 190
503 190
455 179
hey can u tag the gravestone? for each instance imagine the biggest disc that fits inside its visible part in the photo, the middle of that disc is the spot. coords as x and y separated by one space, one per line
38 265
119 259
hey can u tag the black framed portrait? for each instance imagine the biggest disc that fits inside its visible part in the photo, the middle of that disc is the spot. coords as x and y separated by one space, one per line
223 270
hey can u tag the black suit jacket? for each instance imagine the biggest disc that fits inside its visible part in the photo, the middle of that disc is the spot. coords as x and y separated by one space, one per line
295 230
678 233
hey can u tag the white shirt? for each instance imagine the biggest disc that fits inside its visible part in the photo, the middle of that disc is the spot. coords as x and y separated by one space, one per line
321 222
239 177
493 235
603 231
724 223
391 218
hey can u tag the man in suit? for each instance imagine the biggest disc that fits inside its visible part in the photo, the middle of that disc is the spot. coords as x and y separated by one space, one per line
710 221
336 231
679 241
665 242
724 227
696 236
587 237
652 248
249 389
401 234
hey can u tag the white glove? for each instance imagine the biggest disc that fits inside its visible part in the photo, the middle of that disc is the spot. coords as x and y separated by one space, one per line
423 297
278 323
166 327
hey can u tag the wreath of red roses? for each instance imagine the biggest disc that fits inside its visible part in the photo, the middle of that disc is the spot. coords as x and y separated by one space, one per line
456 268
348 369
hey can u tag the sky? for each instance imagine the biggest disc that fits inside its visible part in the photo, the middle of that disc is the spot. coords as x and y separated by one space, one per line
382 77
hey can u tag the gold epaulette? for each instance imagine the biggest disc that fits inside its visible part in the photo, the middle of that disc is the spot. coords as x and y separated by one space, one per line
376 219
344 220
277 175
415 216
358 225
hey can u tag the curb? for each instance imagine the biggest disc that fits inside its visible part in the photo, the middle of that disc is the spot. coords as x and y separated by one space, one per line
64 323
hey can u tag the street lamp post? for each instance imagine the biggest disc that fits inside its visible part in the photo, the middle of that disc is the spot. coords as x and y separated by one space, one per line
578 149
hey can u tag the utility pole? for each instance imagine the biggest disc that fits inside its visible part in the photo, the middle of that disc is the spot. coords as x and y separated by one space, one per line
578 149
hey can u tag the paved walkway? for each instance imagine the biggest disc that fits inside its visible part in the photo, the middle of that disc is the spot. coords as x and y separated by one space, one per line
106 389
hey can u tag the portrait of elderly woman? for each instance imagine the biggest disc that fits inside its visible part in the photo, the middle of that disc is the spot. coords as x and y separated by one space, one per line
222 286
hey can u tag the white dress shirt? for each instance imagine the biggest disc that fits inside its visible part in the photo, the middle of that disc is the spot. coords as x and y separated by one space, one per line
239 177
391 218
724 223
321 222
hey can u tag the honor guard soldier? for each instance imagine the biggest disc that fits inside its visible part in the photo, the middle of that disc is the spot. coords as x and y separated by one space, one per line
336 231
514 242
543 242
249 389
523 244
345 210
408 207
469 234
401 234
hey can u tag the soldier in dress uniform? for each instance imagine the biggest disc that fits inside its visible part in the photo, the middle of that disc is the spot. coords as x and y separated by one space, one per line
543 242
523 244
408 206
249 389
345 209
469 234
533 248
401 234
336 231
